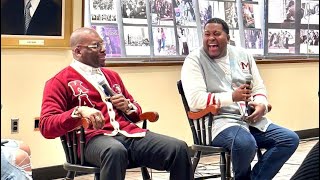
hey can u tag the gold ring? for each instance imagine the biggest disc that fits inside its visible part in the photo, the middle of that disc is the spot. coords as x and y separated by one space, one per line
97 118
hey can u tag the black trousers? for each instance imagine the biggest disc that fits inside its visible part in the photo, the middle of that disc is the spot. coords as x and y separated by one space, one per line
156 151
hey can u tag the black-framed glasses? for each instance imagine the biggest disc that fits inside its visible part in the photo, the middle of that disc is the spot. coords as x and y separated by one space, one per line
97 46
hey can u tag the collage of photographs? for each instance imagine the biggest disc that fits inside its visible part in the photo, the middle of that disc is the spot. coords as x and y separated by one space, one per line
283 40
170 27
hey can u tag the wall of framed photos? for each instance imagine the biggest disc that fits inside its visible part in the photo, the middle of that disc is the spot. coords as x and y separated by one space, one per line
157 29
292 27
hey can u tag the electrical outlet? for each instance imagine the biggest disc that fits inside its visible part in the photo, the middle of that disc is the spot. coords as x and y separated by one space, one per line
14 125
36 124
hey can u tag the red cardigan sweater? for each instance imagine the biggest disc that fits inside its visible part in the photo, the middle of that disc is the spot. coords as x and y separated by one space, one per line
68 89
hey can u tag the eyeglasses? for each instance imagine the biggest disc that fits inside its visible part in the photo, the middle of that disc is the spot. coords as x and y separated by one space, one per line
97 46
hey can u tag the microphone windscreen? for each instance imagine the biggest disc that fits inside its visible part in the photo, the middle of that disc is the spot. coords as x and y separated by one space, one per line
101 81
107 90
248 79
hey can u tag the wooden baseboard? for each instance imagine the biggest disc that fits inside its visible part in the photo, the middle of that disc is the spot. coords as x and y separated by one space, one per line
308 133
49 173
55 172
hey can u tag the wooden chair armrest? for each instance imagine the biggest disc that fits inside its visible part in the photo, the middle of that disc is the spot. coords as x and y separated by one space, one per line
83 122
213 109
210 109
269 107
152 116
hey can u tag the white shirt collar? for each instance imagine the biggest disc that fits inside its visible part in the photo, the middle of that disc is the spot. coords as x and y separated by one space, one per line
224 59
34 5
86 68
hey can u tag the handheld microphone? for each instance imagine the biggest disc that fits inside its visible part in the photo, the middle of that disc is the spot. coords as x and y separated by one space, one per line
249 109
107 90
248 79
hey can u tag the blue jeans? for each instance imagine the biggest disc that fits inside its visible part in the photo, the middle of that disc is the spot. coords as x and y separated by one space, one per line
280 143
11 172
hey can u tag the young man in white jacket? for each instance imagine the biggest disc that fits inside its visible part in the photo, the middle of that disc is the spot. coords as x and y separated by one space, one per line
218 73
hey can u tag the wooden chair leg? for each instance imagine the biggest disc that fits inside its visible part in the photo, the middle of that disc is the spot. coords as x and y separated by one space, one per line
97 176
145 173
70 175
228 165
223 168
195 161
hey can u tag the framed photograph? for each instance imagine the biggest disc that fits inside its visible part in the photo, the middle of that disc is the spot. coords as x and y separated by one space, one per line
134 12
110 35
281 41
103 12
185 12
161 12
187 41
310 12
231 16
248 16
234 37
281 11
254 41
137 41
309 41
206 11
47 24
164 40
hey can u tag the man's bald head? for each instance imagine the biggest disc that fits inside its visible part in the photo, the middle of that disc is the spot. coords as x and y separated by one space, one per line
80 35
87 47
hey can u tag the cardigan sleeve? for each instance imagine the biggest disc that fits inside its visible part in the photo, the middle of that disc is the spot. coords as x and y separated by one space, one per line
259 91
55 118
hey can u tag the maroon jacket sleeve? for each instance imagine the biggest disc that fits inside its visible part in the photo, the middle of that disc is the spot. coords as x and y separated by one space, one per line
55 118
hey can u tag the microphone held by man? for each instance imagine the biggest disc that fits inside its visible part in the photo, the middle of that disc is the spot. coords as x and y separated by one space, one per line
107 90
117 100
249 109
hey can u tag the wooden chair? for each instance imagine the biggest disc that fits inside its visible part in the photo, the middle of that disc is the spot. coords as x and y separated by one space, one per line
70 143
196 120
199 131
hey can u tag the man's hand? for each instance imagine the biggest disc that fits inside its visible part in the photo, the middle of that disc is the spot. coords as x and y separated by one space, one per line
93 116
242 93
120 102
259 110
